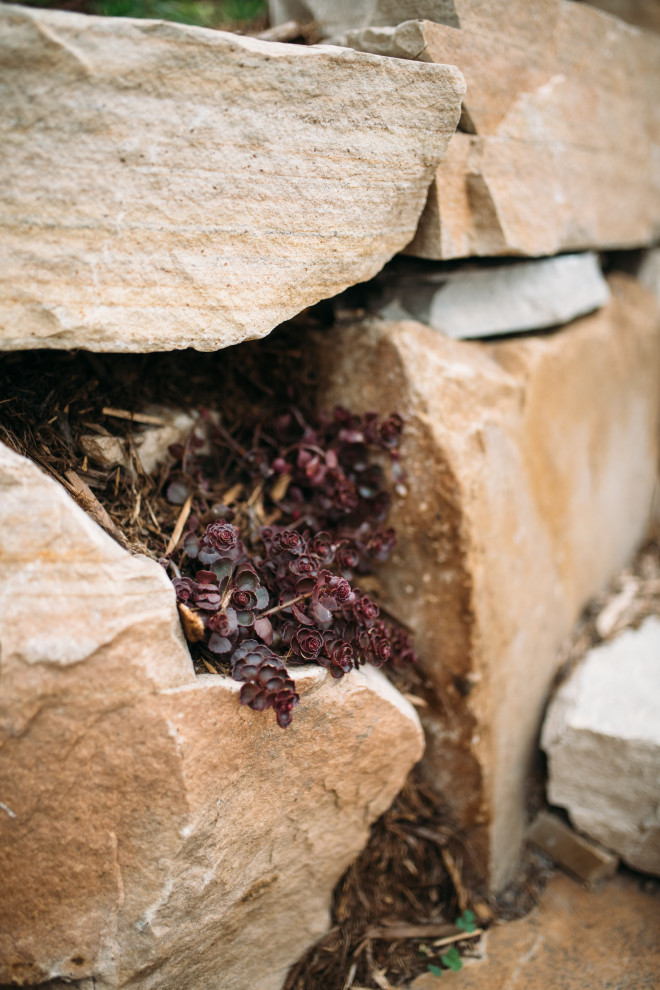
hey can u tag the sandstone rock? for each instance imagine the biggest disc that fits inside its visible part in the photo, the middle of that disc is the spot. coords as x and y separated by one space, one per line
548 131
530 469
602 737
649 271
502 299
166 186
642 13
586 860
574 938
154 834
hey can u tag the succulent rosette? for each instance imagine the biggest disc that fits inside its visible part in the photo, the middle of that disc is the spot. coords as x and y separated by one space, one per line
269 597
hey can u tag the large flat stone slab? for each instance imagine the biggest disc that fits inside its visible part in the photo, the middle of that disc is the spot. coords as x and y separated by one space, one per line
559 134
602 737
165 186
531 466
153 833
475 302
575 939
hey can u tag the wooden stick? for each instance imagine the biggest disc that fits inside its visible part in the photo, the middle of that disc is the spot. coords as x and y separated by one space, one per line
86 498
292 601
180 523
395 932
135 417
458 938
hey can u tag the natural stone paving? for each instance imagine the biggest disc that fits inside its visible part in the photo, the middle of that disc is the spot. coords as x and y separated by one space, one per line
575 939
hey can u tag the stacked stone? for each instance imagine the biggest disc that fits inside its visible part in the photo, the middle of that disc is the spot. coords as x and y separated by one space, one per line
532 462
166 187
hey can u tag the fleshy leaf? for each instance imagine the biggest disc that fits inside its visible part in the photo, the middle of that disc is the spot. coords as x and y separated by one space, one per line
452 959
205 577
466 922
262 598
177 492
264 630
222 568
245 618
322 614
191 545
301 617
246 579
218 644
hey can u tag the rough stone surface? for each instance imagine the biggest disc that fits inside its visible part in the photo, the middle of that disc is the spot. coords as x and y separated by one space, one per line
649 271
531 465
575 939
642 13
153 833
557 149
581 857
165 186
602 737
502 299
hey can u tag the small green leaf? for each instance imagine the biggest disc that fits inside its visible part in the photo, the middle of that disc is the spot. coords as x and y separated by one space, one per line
435 970
452 959
466 922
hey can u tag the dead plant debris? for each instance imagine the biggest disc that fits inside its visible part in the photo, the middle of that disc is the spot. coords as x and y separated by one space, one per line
395 908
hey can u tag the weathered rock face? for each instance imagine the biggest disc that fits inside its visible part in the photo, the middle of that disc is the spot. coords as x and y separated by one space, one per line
531 465
165 186
649 271
602 737
154 834
501 299
643 13
547 129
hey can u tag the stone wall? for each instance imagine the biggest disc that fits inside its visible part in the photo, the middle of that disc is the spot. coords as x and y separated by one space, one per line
169 187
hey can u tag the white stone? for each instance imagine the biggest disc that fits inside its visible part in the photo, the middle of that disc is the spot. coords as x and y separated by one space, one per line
165 186
154 834
502 299
336 16
602 737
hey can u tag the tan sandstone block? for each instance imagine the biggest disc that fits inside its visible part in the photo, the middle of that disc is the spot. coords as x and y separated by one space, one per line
643 13
560 129
165 186
574 938
531 465
153 833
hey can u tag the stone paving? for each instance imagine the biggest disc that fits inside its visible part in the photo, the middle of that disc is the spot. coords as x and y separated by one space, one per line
575 939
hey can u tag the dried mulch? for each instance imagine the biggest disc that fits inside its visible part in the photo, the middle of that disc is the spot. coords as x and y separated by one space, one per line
395 908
